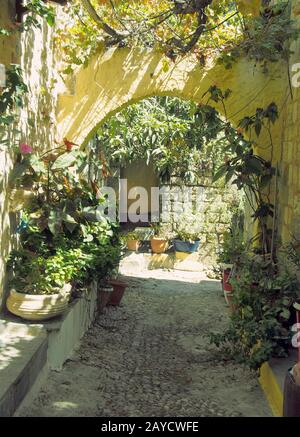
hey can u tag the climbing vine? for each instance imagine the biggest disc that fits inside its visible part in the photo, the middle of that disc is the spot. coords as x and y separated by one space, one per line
203 28
10 100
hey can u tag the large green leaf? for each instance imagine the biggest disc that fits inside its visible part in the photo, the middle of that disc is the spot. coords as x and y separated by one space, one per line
254 165
37 165
220 173
64 161
55 221
68 218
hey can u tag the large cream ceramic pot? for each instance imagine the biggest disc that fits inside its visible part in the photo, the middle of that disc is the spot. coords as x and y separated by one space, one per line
37 306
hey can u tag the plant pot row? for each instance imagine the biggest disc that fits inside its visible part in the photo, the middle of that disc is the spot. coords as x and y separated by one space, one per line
160 245
39 307
111 294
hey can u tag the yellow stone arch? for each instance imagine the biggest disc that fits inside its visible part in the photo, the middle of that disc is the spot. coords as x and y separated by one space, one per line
119 77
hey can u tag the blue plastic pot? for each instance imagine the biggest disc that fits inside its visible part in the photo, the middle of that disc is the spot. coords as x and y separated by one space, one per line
186 246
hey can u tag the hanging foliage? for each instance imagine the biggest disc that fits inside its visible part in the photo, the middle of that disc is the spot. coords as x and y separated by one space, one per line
205 28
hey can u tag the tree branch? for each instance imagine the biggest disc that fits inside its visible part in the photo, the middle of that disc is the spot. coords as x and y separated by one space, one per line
108 29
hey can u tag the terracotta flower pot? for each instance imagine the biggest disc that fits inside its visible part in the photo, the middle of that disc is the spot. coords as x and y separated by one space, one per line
159 245
118 292
37 307
227 287
133 245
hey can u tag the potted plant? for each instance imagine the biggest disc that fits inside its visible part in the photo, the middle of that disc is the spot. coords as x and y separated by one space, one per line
187 230
40 288
119 287
232 248
262 306
186 241
133 241
159 242
64 242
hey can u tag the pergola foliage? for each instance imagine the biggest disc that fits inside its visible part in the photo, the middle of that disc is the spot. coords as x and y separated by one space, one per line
205 28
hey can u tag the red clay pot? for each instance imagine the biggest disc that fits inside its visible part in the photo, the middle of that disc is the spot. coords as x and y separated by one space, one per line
118 292
227 287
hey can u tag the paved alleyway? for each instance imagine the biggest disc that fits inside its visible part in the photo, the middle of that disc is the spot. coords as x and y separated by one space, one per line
151 357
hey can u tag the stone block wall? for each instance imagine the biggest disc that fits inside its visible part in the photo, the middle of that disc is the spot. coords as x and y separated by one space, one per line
212 207
288 154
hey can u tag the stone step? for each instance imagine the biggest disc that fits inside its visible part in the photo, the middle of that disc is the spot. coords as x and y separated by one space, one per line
23 355
28 350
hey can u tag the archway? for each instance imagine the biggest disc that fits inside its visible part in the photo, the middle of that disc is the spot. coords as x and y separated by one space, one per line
161 145
119 77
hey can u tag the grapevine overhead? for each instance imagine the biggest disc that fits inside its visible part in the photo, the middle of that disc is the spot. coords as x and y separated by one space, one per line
204 28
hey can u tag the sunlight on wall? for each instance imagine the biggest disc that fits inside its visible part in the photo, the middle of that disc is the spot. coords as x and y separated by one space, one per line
37 118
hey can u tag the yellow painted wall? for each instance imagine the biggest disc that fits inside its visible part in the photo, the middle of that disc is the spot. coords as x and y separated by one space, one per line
139 174
34 51
119 77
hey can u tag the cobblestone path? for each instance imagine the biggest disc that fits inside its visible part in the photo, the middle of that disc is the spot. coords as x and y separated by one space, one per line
151 357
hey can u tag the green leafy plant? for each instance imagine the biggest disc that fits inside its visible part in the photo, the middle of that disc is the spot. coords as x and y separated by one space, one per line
187 236
188 226
232 247
165 132
162 230
266 37
36 274
247 170
132 235
64 237
11 99
259 325
65 197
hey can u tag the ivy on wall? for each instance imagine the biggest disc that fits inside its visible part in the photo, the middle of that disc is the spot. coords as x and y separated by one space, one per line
10 100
